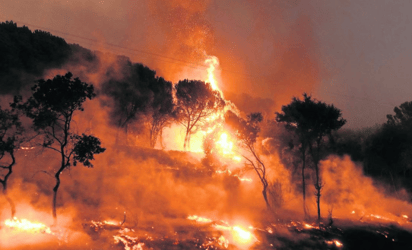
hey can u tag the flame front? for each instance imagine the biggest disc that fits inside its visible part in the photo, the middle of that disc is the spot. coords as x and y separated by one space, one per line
27 226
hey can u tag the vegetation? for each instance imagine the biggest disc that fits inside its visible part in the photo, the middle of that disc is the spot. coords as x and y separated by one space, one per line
140 98
306 130
247 132
10 138
26 55
52 108
311 121
196 103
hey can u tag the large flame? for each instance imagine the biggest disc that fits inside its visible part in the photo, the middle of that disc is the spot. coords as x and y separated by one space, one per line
213 63
225 146
25 225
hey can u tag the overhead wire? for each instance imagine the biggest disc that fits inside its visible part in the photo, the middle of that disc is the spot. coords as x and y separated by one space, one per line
172 60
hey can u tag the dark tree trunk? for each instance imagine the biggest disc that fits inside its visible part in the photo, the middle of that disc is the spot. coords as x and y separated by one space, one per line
318 184
55 189
264 192
9 200
4 184
304 183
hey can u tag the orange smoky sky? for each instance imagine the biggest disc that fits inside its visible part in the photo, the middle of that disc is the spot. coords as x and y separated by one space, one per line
344 53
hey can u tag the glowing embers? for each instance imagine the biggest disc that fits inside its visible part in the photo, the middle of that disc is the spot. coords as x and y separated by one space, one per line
301 226
237 234
222 241
228 172
98 225
336 243
24 225
308 226
199 219
129 242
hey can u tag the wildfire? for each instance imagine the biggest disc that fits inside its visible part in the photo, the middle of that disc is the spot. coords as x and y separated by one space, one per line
237 233
199 219
242 235
224 144
212 62
308 226
223 242
337 243
227 171
24 225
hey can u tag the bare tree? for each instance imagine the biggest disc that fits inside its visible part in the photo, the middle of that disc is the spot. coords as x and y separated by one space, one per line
247 132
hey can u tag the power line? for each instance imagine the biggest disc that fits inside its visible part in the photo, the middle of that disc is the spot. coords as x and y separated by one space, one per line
161 57
172 60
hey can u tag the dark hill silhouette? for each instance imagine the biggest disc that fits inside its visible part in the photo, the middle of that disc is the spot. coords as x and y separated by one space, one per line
25 55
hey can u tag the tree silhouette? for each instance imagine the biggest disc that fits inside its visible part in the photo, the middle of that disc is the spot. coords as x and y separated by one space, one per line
130 95
162 108
10 138
196 102
403 115
311 121
402 122
247 132
52 107
388 150
140 98
26 55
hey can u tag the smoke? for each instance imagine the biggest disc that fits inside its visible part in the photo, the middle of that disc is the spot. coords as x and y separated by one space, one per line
188 36
352 195
157 188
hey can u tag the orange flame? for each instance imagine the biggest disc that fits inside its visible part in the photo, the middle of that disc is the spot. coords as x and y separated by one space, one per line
213 63
239 235
199 219
27 226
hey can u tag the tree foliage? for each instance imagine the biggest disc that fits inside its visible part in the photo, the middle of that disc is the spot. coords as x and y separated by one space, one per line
388 151
196 102
141 97
311 120
52 107
402 117
25 53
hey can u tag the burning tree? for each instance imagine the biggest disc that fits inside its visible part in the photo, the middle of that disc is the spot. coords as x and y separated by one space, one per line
247 132
196 102
10 132
52 107
311 121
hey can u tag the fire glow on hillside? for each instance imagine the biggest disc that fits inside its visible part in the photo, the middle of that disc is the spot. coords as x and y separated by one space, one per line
237 179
